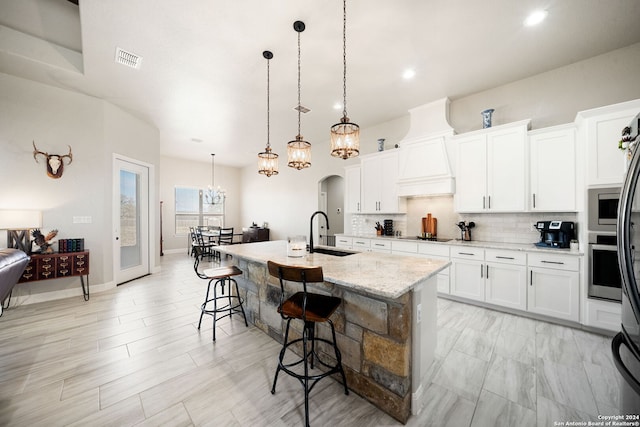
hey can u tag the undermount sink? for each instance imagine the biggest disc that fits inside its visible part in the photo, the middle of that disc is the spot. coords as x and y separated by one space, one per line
333 252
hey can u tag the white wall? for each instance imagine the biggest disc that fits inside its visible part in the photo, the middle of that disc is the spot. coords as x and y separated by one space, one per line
94 129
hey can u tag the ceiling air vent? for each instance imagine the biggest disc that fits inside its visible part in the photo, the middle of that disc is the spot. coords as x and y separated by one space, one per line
127 58
302 109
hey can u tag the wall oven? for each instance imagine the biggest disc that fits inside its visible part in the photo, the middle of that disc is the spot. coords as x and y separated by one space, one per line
604 275
603 208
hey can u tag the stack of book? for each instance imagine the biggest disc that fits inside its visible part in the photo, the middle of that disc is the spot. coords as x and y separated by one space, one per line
70 245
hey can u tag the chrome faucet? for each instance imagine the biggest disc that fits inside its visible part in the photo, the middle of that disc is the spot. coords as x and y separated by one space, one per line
311 228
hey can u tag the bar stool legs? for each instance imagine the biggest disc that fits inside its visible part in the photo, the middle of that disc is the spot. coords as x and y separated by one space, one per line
232 303
307 380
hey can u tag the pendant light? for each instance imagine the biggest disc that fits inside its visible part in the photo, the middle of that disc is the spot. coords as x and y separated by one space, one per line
213 195
267 160
299 150
345 136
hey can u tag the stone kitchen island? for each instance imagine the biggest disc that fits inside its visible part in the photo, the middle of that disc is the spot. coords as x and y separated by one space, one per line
386 325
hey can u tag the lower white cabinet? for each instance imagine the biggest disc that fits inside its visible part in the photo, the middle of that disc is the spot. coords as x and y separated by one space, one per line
379 245
506 278
344 242
437 251
467 272
554 286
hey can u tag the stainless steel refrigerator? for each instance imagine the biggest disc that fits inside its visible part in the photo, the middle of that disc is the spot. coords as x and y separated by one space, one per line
626 344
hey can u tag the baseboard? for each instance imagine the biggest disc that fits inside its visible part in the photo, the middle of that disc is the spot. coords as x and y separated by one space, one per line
17 300
416 400
175 251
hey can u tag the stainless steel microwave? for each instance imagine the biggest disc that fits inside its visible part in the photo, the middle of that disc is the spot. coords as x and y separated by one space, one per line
603 208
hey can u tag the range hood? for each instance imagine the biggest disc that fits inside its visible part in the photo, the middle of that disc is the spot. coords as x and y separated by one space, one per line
424 156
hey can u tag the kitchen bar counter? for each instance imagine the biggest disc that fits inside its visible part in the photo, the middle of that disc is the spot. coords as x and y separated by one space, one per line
381 275
385 327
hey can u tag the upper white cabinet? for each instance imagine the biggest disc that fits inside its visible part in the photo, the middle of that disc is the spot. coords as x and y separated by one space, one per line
379 192
492 169
601 130
553 169
352 189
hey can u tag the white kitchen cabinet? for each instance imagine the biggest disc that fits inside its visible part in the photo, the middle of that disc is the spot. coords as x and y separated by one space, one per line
491 169
441 252
553 170
601 129
467 272
554 286
358 243
352 189
344 242
380 245
506 278
379 174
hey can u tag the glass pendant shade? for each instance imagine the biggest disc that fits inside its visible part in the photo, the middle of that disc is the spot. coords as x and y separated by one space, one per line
345 136
299 153
268 162
345 139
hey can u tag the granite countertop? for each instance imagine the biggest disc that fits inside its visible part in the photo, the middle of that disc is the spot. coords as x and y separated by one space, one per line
380 274
529 247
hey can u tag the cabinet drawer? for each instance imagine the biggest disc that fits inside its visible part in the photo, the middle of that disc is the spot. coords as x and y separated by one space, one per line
465 252
433 249
399 246
361 243
506 257
344 241
555 261
384 245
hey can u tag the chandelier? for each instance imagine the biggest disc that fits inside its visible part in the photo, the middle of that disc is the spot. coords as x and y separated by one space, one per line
267 160
299 150
345 136
213 195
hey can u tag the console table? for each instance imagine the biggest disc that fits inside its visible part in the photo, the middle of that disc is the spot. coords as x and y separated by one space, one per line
58 265
255 234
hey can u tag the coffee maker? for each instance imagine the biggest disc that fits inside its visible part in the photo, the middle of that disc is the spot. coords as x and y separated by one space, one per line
555 234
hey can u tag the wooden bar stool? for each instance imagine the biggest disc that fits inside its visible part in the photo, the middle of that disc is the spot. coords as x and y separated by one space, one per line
219 277
311 309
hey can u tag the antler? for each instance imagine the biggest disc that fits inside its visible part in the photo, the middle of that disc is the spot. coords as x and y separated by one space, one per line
70 155
36 152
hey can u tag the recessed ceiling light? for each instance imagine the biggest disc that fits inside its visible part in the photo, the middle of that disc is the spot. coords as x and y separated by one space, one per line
535 18
409 74
337 106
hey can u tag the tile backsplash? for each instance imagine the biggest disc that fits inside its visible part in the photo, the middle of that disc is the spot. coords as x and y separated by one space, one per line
490 227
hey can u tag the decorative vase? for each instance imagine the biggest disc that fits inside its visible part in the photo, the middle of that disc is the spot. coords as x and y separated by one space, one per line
486 118
381 144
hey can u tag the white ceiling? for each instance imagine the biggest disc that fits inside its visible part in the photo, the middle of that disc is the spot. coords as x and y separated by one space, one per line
203 75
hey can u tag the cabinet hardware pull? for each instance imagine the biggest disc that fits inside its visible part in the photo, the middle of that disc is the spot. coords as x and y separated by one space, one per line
534 200
481 270
465 253
504 257
483 200
489 202
487 271
552 262
530 277
378 244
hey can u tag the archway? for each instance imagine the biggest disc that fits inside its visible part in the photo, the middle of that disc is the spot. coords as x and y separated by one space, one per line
331 201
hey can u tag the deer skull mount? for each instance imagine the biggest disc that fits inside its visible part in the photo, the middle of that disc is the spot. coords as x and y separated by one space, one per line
55 162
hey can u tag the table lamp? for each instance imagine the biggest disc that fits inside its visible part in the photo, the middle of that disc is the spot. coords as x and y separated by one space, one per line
18 223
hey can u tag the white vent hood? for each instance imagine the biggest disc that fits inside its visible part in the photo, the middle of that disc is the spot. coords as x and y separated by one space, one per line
424 166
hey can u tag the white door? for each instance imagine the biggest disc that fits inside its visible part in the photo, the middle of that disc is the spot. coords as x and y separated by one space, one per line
131 220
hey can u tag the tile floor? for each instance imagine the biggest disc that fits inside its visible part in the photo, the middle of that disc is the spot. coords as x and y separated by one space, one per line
133 356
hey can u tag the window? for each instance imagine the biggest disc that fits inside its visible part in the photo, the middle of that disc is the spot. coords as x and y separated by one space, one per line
191 210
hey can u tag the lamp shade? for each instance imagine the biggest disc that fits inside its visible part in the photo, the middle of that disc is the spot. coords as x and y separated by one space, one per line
20 219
